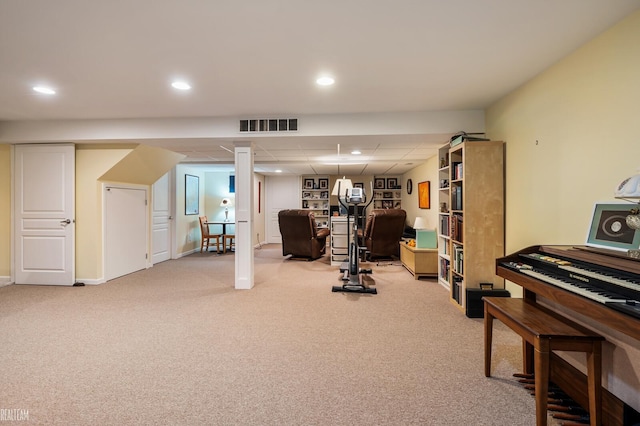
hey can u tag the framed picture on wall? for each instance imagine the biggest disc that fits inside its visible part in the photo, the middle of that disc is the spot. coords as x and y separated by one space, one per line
378 183
392 183
424 198
191 194
323 183
309 183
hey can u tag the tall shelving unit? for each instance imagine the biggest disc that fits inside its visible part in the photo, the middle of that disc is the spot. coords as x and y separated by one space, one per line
444 259
471 217
387 192
315 197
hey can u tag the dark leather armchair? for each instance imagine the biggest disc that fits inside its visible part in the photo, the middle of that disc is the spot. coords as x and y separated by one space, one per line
383 231
300 235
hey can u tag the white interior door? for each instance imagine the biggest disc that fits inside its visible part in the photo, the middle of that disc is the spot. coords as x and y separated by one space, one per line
44 212
126 233
161 220
282 192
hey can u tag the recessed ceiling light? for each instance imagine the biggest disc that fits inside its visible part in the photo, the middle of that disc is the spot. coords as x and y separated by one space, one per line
278 171
45 90
325 81
356 152
181 85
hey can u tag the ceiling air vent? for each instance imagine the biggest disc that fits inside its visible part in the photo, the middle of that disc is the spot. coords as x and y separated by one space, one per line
269 125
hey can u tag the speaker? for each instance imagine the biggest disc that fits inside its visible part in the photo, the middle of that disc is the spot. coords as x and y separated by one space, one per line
475 305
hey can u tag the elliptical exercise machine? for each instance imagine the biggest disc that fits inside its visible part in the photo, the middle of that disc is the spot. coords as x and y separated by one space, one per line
352 276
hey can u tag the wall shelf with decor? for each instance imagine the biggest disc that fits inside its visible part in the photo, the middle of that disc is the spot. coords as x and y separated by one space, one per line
315 197
387 192
470 217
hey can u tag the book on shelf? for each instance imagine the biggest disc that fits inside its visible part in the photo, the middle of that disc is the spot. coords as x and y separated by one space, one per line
456 198
456 227
456 284
444 269
444 225
456 170
460 137
458 259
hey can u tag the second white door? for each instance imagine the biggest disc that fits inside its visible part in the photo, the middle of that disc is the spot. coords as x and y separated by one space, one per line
126 232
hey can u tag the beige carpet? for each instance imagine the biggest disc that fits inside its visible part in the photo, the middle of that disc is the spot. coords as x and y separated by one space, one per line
178 345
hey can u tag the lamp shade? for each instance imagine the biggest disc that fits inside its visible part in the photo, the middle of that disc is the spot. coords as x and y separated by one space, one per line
629 188
226 202
342 185
420 223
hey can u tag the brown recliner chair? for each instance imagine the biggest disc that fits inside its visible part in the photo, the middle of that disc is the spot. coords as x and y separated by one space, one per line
300 235
383 231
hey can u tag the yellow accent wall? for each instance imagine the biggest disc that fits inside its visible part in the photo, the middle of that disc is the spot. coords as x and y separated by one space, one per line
5 213
428 171
91 163
572 135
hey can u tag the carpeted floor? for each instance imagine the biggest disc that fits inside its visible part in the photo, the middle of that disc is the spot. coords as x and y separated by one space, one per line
178 345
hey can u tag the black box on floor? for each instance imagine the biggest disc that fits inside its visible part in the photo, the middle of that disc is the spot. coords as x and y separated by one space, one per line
475 305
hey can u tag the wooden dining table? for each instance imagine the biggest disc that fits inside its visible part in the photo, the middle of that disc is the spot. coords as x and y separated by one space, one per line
224 230
224 225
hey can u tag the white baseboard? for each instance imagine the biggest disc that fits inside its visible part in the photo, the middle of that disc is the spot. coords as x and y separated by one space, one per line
93 281
187 253
260 244
5 281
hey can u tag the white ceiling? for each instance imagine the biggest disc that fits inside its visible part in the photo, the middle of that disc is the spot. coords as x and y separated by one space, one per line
114 59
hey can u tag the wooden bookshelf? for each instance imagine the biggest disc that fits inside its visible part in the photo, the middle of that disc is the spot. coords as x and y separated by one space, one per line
471 216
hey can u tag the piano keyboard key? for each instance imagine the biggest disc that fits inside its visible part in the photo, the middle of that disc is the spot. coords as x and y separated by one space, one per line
576 287
607 278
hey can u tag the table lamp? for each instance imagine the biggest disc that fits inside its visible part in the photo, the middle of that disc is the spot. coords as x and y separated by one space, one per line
340 188
226 202
425 237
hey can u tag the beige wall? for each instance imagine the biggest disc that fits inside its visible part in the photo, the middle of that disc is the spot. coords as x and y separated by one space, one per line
91 163
428 171
571 137
5 213
216 188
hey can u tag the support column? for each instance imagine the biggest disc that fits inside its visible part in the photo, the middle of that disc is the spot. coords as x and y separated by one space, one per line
244 215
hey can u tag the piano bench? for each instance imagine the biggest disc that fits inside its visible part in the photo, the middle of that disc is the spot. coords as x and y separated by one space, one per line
543 331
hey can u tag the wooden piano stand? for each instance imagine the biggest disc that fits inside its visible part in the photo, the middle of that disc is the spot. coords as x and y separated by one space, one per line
544 331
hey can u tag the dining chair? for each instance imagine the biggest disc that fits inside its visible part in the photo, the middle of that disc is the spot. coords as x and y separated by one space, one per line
231 238
207 238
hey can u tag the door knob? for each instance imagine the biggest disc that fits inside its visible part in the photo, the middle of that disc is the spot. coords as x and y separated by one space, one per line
65 222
